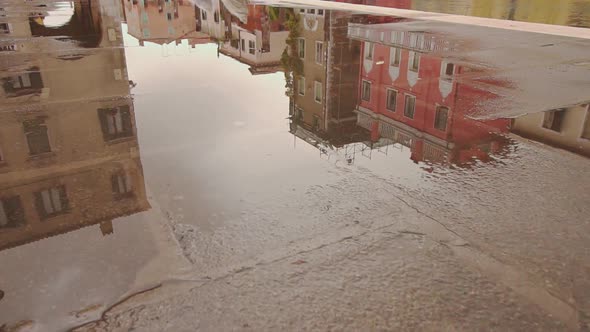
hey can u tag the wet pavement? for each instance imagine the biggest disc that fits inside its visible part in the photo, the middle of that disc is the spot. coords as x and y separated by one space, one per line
217 165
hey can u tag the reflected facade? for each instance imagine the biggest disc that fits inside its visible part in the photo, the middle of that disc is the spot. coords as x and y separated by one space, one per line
567 128
231 155
410 95
68 140
163 22
322 66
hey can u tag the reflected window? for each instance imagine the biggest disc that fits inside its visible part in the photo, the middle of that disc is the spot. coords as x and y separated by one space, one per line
317 88
21 81
319 52
586 129
320 12
415 62
440 118
243 45
51 202
299 114
115 122
416 40
22 84
169 16
369 47
216 17
301 48
409 106
366 91
311 11
4 28
553 120
447 71
396 37
11 47
121 184
204 15
391 99
11 212
316 122
301 86
395 56
251 47
37 138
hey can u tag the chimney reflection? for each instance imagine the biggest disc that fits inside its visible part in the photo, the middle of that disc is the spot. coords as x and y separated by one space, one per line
69 155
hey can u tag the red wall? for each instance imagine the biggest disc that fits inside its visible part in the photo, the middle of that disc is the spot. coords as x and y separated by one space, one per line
462 131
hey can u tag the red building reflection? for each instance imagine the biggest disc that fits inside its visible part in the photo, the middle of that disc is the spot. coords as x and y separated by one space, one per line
410 94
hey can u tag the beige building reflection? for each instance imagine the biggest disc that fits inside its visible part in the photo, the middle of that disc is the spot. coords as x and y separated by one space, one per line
323 94
163 21
258 41
567 128
69 154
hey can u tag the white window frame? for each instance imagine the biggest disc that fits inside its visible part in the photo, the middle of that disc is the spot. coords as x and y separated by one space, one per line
369 50
443 71
115 122
123 183
363 90
397 37
22 81
436 110
321 54
301 82
387 91
252 47
406 96
299 43
317 84
395 55
412 59
52 201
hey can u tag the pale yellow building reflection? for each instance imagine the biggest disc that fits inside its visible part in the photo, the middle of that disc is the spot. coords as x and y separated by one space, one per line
567 128
69 154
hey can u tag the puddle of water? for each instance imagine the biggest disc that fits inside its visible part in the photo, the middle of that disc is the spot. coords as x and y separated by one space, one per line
139 137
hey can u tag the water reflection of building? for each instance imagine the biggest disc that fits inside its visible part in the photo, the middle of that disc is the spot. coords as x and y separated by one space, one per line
409 95
567 128
69 155
324 90
209 18
163 22
257 42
